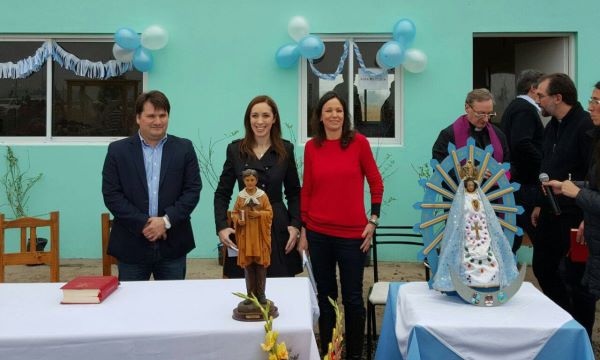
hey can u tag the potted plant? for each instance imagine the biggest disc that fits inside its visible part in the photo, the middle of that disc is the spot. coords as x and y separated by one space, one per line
17 186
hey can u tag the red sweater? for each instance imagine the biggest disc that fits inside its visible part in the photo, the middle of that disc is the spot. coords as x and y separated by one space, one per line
332 201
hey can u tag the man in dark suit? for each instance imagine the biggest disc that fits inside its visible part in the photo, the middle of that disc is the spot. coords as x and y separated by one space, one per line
524 132
566 148
151 184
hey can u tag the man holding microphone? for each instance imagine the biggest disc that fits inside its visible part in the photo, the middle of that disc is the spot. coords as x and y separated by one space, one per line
566 153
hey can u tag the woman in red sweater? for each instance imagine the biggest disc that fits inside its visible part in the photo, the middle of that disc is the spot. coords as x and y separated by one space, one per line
336 229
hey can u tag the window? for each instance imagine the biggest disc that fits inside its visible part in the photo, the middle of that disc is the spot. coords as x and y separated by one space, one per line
375 106
80 108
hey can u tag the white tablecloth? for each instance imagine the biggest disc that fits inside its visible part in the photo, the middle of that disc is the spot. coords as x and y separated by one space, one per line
516 330
188 319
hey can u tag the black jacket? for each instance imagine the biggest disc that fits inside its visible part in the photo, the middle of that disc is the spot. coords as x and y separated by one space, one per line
524 132
588 200
567 151
272 175
125 192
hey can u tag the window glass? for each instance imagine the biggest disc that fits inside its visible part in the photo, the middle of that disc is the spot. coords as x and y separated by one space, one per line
316 87
22 101
92 107
372 105
376 95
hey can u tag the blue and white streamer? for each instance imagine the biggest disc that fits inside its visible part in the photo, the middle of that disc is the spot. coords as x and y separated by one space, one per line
340 66
361 63
93 70
339 69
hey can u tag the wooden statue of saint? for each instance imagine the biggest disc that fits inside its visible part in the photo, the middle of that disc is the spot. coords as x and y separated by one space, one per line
252 216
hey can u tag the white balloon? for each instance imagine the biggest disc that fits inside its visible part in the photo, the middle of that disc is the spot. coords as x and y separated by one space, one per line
155 37
415 60
124 55
298 28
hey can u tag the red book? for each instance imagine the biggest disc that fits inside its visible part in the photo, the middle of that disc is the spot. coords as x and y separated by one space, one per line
579 252
89 289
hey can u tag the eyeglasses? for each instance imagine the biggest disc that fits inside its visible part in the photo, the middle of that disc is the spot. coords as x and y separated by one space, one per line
481 115
541 96
593 101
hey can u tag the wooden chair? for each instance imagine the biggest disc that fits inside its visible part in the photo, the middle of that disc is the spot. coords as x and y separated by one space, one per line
107 260
378 293
30 256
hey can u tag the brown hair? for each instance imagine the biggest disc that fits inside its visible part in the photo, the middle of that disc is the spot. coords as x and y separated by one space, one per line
276 141
317 124
559 83
156 98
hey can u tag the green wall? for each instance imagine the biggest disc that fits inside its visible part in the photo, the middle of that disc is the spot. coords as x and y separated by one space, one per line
221 54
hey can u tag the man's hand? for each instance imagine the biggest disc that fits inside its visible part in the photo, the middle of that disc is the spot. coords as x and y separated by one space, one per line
569 189
155 228
580 239
555 185
535 215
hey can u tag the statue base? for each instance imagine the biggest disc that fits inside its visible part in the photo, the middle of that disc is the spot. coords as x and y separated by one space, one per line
251 312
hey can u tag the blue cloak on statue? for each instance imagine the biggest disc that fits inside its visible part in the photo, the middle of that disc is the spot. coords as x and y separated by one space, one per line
473 244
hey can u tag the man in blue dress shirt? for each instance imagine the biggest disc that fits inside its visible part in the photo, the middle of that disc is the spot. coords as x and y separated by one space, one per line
151 184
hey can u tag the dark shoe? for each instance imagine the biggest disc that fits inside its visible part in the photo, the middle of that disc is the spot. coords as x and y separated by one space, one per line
262 299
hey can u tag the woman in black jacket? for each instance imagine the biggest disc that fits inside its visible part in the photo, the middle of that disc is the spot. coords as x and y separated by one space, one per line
263 150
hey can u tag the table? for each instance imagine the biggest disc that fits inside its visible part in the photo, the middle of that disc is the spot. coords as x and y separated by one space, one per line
423 324
188 319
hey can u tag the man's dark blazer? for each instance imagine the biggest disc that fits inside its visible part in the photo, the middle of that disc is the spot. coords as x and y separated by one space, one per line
524 132
125 191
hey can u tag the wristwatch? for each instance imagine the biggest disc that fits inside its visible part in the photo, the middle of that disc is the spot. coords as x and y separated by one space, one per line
167 222
374 222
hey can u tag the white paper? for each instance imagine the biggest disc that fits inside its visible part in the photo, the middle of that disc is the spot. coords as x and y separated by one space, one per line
307 265
232 251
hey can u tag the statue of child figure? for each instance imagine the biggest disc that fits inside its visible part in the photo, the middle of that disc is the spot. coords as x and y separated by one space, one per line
252 216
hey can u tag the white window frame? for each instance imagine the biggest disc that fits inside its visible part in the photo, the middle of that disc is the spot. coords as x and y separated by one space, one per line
398 139
59 140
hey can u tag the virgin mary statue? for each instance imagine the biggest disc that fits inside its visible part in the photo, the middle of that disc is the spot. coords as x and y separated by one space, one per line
474 246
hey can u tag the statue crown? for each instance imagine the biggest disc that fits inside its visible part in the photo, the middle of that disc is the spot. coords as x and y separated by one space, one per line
469 170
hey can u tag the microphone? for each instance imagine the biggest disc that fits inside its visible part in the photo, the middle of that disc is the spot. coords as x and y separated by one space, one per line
549 194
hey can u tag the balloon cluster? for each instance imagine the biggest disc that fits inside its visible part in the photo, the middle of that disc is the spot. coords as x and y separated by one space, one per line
307 45
129 46
398 51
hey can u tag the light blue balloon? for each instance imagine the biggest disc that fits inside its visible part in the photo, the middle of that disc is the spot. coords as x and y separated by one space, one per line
142 59
404 32
379 61
311 47
391 54
127 38
287 55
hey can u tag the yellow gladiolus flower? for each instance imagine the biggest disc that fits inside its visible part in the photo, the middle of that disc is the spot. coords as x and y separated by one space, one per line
272 357
270 340
282 353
